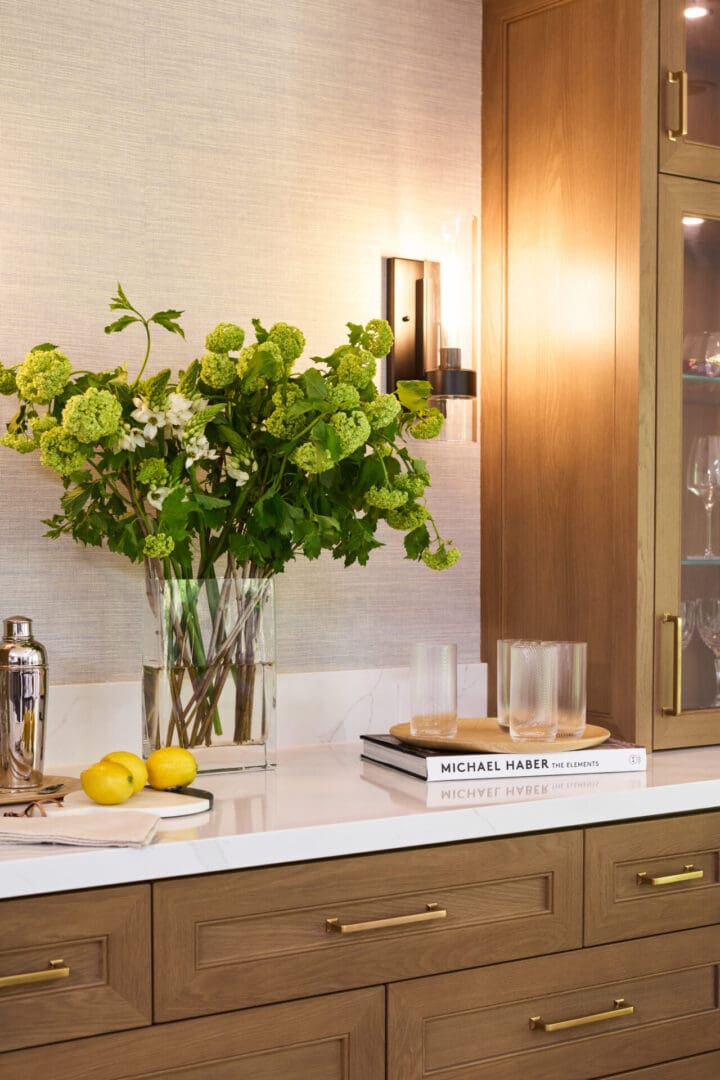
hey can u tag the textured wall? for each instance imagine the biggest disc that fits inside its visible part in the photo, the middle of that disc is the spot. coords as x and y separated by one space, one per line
232 158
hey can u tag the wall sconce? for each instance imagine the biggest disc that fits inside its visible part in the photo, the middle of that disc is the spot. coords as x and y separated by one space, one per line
430 308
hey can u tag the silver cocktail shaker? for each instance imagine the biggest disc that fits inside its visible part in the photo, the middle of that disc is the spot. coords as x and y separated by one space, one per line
23 697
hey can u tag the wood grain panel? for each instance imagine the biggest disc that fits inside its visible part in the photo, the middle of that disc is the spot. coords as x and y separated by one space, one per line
701 1067
339 1037
618 907
103 936
240 939
567 329
475 1025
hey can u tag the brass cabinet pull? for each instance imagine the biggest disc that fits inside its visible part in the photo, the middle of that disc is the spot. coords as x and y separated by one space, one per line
620 1008
681 78
676 708
56 970
433 912
689 873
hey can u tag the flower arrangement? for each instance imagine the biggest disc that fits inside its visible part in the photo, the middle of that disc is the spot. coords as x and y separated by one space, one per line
242 459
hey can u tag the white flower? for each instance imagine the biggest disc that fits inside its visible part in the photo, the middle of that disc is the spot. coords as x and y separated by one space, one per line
198 448
235 470
178 410
152 419
157 496
130 438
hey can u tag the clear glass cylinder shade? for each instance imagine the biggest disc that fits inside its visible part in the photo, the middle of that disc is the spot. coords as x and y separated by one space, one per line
702 62
700 477
209 675
460 418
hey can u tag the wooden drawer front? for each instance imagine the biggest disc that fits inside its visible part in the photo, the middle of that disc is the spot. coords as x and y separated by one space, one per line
255 936
476 1024
702 1067
620 904
338 1037
101 939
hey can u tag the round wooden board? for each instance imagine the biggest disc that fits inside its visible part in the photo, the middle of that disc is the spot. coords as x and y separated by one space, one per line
483 735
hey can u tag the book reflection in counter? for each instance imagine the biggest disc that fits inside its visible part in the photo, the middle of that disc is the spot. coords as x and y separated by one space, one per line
455 794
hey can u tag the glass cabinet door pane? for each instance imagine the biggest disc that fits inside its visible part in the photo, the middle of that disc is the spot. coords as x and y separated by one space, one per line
700 522
702 61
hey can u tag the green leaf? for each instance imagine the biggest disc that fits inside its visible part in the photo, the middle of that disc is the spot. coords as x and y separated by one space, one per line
120 302
413 393
45 347
314 384
416 541
261 333
209 502
167 319
325 437
356 333
236 443
120 324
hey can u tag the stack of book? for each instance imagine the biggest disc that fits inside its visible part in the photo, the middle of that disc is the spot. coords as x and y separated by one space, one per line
610 757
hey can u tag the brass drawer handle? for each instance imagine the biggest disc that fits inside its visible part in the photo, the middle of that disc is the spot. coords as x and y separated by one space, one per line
681 78
434 911
676 707
619 1009
56 970
689 873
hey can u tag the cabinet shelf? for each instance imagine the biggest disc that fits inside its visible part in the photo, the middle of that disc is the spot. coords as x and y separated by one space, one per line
701 389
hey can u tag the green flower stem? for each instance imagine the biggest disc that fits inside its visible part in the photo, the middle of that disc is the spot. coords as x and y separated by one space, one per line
147 350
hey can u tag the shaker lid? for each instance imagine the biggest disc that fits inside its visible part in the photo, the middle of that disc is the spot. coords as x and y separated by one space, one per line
17 628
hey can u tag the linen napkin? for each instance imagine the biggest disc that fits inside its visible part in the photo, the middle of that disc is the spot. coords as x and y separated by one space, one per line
133 829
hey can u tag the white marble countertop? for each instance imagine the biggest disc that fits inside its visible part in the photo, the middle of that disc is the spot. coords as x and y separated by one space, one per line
323 801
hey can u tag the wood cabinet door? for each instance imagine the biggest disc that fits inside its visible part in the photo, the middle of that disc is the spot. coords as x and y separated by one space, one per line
569 182
338 1037
576 1016
701 1067
689 129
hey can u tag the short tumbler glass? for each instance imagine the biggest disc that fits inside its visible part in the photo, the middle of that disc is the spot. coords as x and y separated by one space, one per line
433 690
533 691
572 692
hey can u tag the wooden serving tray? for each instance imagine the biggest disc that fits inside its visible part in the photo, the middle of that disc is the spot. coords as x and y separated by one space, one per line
52 788
483 735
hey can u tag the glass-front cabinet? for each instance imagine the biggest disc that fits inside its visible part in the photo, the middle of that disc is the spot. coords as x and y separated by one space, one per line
690 88
688 465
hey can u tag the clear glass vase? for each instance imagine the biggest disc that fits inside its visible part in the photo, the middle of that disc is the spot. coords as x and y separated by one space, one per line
209 670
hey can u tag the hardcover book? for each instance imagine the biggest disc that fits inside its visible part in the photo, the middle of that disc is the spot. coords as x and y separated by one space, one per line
611 756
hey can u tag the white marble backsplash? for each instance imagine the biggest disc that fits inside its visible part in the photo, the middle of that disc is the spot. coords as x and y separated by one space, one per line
85 721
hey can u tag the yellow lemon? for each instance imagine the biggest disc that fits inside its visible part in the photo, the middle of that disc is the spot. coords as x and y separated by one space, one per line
134 764
171 766
107 782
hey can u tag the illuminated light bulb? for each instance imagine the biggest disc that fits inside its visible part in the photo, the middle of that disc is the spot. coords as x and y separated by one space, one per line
695 11
693 220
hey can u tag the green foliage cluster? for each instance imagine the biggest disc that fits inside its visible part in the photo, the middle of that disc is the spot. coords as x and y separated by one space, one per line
240 457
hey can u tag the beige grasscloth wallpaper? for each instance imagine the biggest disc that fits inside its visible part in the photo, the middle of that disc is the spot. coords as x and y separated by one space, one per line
232 158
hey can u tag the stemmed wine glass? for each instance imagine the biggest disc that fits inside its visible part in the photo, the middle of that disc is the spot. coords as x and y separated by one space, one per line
703 479
687 614
707 613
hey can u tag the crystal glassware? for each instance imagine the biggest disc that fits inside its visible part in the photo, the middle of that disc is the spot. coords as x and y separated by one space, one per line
687 614
433 690
703 479
533 691
707 614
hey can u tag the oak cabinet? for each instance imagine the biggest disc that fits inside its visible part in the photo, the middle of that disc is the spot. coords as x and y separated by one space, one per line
583 953
601 285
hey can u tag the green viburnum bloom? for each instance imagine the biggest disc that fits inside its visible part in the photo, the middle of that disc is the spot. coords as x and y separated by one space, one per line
40 424
352 430
380 337
42 375
413 483
427 427
343 396
289 340
22 443
92 416
442 559
278 423
406 517
158 546
382 411
382 449
385 498
8 382
311 459
356 366
217 370
269 355
153 472
61 451
226 337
